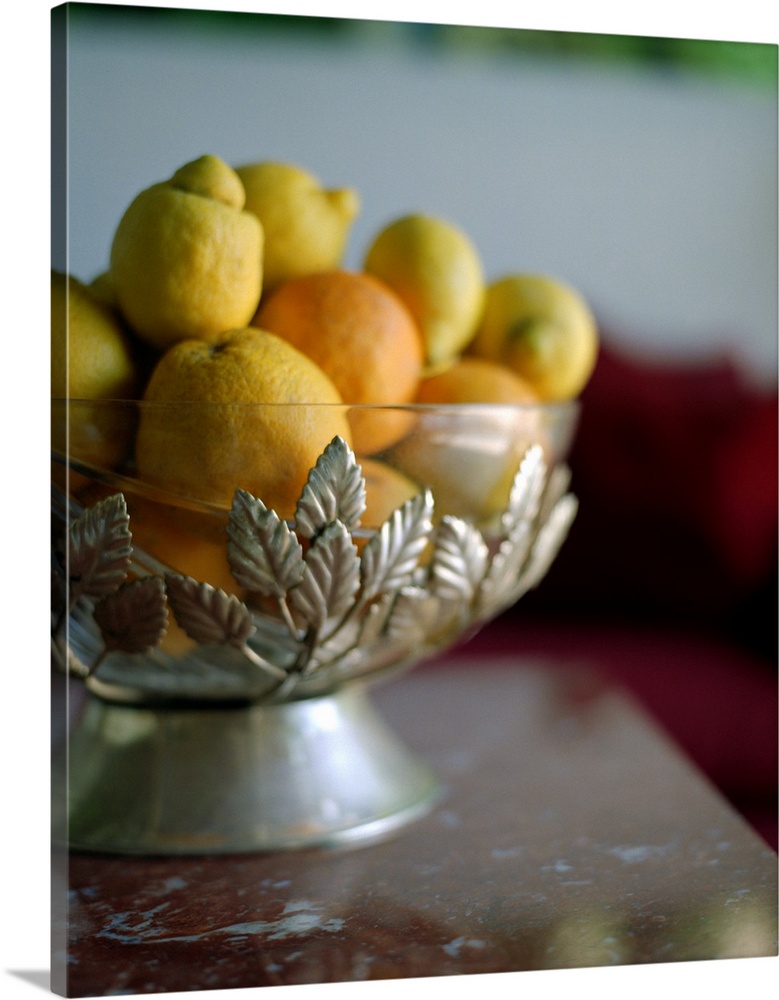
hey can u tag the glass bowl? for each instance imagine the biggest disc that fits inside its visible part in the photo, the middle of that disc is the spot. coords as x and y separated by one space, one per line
225 608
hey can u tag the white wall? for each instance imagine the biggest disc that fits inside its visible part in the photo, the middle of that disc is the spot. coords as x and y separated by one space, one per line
657 197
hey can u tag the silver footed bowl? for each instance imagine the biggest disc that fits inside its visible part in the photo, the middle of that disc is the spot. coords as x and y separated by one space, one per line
225 642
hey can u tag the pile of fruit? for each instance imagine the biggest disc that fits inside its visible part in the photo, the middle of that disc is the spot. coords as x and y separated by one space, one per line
226 286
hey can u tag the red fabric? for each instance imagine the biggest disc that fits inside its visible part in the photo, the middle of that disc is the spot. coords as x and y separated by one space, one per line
695 446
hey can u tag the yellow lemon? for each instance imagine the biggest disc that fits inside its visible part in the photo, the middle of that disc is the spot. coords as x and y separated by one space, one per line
186 259
92 359
306 226
244 410
102 288
435 269
543 330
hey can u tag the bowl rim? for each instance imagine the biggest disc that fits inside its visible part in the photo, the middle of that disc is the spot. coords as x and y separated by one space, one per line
551 406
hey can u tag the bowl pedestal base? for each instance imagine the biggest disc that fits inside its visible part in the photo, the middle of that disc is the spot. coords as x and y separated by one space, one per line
320 772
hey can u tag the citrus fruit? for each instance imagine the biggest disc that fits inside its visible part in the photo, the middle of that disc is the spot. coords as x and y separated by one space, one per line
541 328
361 335
245 410
186 259
386 489
475 380
92 358
306 226
435 269
194 544
189 541
102 288
467 455
184 540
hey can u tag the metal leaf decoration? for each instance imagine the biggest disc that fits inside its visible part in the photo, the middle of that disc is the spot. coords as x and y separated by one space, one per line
133 618
527 488
264 554
505 566
392 554
375 619
459 560
318 611
414 612
208 614
335 644
330 580
335 491
99 548
556 487
549 539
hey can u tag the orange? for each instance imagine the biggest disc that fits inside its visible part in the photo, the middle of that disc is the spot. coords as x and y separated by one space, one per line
186 541
475 380
362 336
189 544
386 489
246 410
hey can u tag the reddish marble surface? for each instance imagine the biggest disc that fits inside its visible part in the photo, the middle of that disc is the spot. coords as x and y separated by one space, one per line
571 834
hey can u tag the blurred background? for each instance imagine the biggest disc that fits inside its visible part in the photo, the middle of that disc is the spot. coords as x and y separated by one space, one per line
641 170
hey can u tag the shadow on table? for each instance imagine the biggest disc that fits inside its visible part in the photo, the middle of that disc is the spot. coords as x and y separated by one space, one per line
36 977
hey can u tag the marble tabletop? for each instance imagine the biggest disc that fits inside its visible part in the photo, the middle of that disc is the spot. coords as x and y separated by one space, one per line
571 834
